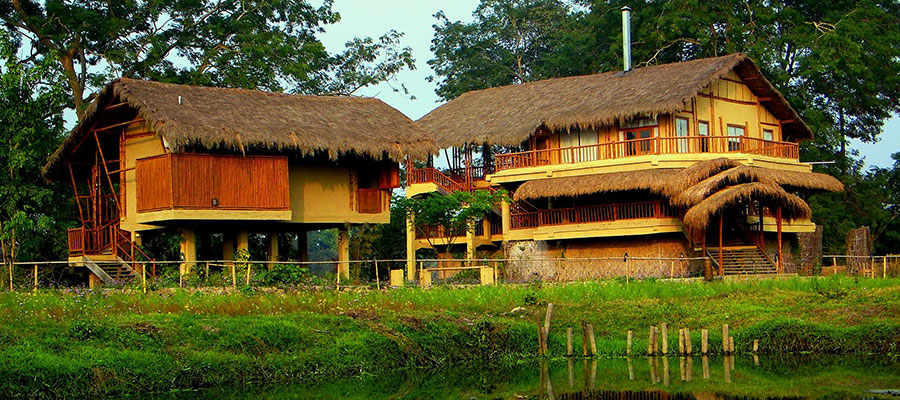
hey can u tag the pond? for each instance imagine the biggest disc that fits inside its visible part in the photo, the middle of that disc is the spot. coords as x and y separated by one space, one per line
700 378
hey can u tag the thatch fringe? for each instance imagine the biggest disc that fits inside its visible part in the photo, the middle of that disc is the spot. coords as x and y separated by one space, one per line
696 173
242 120
509 115
649 179
793 207
791 180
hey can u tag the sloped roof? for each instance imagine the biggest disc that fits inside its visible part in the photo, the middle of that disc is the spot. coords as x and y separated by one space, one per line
241 118
508 115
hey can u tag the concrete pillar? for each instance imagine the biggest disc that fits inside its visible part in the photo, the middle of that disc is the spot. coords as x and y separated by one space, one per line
302 246
228 247
272 253
243 241
470 242
343 248
410 250
188 250
504 217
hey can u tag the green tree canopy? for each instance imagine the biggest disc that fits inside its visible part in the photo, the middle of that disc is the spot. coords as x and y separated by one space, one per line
254 44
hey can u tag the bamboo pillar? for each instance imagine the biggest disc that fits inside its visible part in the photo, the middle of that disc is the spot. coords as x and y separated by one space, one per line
410 249
272 253
778 224
227 247
505 216
188 250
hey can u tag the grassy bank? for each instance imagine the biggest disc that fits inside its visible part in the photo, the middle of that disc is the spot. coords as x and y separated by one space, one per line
75 343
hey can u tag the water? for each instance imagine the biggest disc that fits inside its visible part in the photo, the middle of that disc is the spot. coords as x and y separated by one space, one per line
799 377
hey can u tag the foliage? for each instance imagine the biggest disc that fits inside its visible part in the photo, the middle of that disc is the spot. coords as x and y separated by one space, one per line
456 212
270 45
31 126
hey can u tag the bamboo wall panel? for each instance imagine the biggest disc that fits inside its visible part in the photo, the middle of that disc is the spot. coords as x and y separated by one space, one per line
202 181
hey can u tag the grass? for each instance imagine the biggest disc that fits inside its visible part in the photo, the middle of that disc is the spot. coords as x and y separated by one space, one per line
84 343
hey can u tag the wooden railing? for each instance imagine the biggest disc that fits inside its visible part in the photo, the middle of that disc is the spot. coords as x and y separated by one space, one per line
590 214
431 175
639 147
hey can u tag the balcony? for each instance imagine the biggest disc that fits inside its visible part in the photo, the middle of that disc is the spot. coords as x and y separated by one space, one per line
591 214
648 146
205 186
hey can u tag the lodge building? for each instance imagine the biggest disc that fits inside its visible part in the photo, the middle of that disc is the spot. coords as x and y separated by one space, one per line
151 155
691 159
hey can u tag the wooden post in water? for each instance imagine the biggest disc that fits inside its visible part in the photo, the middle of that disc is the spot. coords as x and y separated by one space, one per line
755 346
687 341
628 342
593 342
705 362
731 344
651 345
584 339
681 341
665 338
540 331
725 338
570 351
704 341
547 326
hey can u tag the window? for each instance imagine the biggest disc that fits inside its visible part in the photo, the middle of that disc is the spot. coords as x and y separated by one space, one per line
768 134
735 132
681 130
577 139
703 130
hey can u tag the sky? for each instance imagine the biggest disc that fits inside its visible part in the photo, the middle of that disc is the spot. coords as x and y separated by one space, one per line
415 18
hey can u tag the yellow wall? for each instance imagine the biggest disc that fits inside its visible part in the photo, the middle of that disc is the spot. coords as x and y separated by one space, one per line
322 194
137 148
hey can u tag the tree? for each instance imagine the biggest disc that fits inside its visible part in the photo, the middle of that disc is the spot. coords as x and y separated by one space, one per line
31 126
503 45
254 44
450 214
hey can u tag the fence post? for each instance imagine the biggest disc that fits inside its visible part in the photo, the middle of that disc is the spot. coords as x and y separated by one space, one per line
248 273
233 275
883 267
377 280
144 277
35 279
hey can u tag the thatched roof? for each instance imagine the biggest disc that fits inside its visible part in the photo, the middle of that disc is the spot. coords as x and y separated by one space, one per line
793 207
745 174
508 115
244 119
696 173
653 180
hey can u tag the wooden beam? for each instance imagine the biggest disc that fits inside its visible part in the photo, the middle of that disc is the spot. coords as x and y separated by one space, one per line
75 189
786 121
115 106
129 122
112 188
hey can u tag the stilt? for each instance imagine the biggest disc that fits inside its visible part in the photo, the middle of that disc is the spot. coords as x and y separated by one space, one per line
343 248
778 224
302 246
188 250
228 247
721 245
272 253
410 250
243 241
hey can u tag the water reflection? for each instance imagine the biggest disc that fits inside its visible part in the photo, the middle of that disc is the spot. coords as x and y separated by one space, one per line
606 378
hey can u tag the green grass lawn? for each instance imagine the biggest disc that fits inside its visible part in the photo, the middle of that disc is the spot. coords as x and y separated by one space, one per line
73 343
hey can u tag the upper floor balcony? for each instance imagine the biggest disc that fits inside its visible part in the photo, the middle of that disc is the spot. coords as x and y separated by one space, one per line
683 145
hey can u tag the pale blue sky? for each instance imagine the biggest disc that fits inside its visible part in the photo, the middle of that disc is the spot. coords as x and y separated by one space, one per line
415 19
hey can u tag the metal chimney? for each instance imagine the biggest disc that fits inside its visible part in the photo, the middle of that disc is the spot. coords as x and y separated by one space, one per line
626 38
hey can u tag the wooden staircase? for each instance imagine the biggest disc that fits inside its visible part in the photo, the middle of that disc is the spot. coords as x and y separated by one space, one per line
743 260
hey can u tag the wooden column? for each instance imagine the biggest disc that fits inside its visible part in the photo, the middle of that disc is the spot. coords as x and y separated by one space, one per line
721 244
707 264
504 217
470 242
778 224
188 250
343 249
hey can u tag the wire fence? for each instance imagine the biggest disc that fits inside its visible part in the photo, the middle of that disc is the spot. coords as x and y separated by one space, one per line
379 274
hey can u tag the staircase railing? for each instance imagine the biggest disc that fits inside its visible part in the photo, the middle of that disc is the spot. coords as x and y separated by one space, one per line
123 239
766 255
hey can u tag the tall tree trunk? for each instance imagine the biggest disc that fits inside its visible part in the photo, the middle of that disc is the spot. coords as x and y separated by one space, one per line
68 63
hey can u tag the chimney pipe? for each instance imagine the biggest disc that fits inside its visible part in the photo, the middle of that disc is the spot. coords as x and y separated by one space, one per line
626 38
